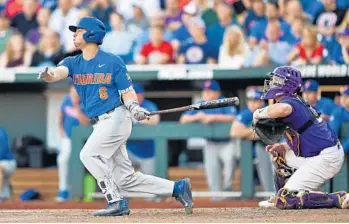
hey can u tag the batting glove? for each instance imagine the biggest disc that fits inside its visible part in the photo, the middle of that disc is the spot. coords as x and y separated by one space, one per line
139 113
45 73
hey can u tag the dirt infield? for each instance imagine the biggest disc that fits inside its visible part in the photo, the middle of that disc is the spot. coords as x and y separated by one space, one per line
177 215
168 211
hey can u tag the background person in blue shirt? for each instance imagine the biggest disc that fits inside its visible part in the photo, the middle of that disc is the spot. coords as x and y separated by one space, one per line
70 116
7 166
142 152
341 115
242 129
312 96
340 50
197 49
218 153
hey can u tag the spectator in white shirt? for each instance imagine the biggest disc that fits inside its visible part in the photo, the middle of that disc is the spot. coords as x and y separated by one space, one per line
118 41
125 7
60 20
139 22
234 48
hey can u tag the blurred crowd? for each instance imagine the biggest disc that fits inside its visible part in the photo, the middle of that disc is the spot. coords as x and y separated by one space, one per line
235 33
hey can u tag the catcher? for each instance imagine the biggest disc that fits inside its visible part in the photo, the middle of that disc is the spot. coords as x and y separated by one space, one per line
312 154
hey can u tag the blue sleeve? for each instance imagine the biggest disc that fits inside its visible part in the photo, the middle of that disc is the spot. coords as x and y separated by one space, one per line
67 62
123 80
183 48
336 53
245 117
335 120
3 144
230 111
150 106
328 107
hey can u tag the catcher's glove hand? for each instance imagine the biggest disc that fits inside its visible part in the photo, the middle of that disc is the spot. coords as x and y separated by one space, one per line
269 130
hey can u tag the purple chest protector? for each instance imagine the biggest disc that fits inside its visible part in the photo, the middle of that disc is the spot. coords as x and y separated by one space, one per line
293 136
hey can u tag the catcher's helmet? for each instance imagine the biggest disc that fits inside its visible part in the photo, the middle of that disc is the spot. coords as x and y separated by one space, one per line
284 81
95 29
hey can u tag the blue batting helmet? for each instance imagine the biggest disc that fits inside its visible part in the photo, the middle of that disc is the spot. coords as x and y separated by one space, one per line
95 29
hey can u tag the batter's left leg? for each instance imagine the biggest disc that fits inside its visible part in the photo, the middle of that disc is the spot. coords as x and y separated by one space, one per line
131 182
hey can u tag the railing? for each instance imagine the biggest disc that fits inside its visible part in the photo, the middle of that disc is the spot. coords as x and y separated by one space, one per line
174 131
189 72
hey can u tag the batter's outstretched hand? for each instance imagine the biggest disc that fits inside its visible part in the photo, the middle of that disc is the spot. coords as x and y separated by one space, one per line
45 73
139 113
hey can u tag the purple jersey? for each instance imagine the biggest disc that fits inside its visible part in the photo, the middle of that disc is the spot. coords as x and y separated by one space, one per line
315 138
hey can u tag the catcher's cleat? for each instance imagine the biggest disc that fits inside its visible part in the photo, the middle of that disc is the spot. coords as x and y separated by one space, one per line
182 193
118 208
270 203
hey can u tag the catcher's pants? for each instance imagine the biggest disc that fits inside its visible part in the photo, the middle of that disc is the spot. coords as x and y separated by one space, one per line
218 157
105 157
312 172
8 167
264 167
145 165
63 163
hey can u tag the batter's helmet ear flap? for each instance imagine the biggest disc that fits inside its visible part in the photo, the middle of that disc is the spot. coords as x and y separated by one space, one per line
95 29
94 37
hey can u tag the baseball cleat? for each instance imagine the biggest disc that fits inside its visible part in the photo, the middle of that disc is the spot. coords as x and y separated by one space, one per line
118 208
345 202
270 203
183 194
62 196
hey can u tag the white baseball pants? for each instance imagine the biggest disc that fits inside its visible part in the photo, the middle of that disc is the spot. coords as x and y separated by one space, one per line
312 172
105 157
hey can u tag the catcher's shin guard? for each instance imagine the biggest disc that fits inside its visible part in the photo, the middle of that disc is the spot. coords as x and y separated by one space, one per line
286 199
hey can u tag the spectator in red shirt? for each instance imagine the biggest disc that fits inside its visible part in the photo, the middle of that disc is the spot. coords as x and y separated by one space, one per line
308 51
157 51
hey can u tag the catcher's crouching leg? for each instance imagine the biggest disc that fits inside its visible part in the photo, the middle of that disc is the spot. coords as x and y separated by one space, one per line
286 199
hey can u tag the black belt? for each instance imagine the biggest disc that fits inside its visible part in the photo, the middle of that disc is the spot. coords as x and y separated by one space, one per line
95 120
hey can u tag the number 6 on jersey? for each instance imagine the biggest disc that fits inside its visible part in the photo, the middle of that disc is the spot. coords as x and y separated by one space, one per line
103 93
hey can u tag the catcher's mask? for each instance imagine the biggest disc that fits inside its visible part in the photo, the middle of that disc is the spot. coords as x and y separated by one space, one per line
284 80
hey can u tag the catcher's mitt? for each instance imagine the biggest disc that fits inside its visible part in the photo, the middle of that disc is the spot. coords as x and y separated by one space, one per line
269 130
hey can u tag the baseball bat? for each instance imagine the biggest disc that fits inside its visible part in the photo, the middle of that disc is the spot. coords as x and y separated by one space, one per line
225 102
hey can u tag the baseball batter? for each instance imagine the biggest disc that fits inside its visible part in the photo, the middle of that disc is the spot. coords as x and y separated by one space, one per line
106 92
312 148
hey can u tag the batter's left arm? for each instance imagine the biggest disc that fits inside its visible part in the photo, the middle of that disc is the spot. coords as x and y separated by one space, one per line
131 102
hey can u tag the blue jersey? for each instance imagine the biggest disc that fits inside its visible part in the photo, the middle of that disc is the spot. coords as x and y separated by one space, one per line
5 153
195 53
245 117
339 116
99 81
143 148
314 139
325 106
70 115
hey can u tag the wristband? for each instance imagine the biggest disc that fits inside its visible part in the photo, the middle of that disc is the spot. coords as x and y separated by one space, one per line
263 113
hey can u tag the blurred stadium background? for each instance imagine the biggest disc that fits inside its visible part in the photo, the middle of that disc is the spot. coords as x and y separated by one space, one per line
171 47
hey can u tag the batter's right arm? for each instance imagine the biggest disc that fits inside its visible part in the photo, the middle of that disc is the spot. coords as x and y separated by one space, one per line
58 73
